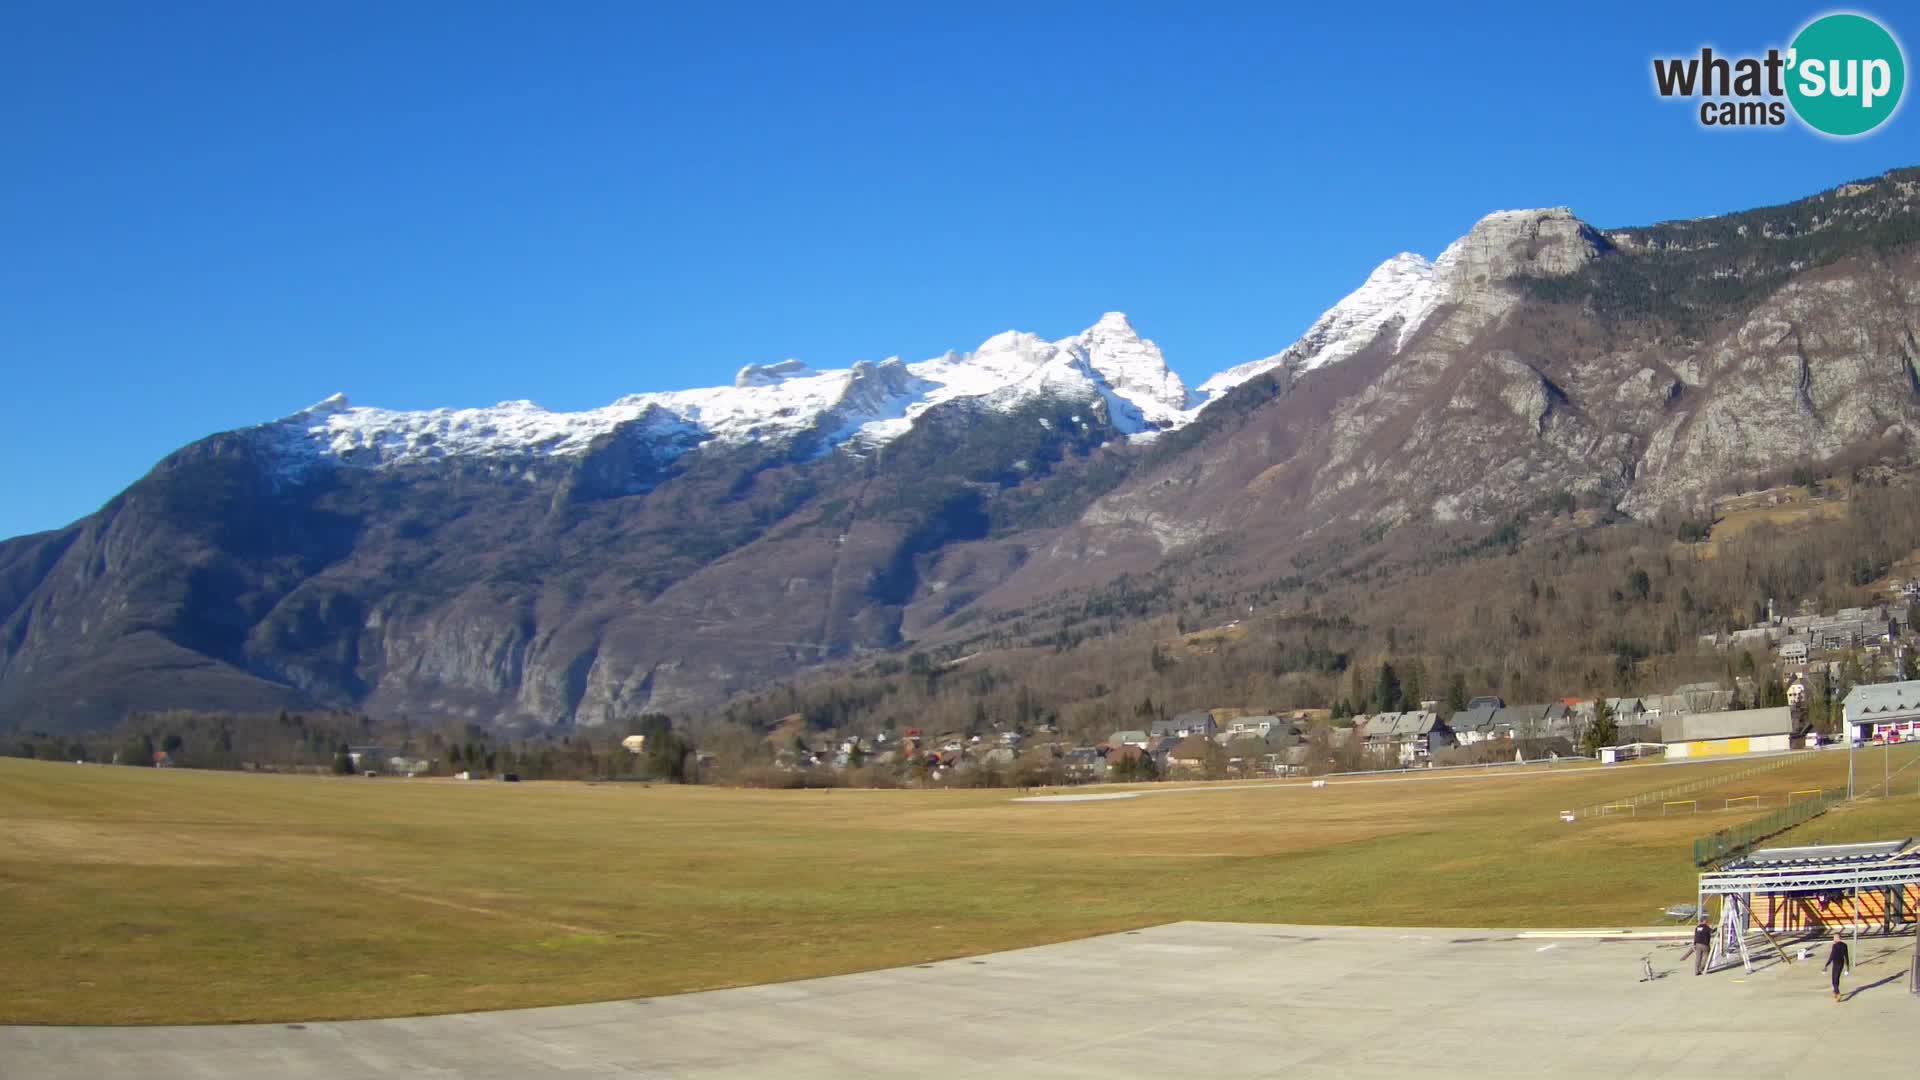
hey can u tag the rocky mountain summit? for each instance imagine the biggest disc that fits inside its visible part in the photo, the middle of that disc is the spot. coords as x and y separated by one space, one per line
520 566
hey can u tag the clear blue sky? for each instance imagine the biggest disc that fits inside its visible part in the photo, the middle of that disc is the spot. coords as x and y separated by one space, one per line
213 214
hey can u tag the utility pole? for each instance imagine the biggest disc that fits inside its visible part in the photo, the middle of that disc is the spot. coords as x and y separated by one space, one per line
1847 733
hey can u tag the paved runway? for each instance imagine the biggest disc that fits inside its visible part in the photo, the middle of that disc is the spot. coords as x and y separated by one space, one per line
1188 999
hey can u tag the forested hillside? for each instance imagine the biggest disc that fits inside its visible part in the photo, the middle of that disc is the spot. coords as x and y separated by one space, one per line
1560 602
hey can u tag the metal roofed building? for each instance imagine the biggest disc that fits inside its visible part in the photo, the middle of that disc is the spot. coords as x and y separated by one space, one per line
1415 734
1693 698
1419 734
1259 725
1741 731
1626 710
1535 721
1378 728
1883 710
1474 725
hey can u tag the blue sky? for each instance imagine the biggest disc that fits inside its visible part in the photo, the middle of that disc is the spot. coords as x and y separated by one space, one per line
214 214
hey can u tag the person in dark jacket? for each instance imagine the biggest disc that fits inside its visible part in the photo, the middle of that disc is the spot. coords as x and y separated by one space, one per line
1839 959
1702 945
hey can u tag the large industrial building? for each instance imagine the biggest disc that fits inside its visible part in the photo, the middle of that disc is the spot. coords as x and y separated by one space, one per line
1742 731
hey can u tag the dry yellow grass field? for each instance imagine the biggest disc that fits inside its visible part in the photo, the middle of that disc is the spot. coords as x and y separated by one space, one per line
143 896
1735 522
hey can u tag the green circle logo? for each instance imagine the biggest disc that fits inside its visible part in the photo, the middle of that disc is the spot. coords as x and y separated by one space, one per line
1846 74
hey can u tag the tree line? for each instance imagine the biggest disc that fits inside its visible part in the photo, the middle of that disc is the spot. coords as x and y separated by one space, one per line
327 741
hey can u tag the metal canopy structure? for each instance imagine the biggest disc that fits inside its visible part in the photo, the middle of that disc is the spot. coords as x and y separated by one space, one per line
1843 875
1827 854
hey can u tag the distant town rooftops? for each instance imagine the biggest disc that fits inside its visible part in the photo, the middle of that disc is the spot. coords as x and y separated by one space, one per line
1473 718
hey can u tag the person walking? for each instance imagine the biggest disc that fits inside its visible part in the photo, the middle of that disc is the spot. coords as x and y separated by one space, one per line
1702 945
1839 959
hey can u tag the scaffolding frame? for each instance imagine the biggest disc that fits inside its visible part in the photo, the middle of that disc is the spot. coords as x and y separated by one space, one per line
1737 885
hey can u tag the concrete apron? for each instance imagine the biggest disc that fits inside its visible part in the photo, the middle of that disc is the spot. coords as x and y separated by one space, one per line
1186 999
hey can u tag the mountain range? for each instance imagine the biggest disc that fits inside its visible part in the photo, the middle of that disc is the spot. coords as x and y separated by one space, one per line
517 566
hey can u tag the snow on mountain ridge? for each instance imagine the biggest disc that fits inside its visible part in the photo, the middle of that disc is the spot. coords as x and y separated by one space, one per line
1406 290
867 403
769 374
870 404
1108 359
1400 289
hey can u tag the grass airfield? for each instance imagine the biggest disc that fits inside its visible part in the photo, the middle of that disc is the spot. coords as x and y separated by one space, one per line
150 897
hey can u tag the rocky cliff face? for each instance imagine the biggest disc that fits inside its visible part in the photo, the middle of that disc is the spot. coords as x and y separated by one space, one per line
1825 363
519 566
1537 355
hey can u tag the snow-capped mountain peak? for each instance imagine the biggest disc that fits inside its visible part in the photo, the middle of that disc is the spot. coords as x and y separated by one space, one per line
866 403
769 374
1400 290
1134 368
869 404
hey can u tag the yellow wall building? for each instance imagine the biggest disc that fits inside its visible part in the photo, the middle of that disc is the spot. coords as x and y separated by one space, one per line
1722 734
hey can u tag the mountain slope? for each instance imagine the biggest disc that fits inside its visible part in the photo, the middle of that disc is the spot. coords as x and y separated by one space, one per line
1786 335
515 565
512 564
